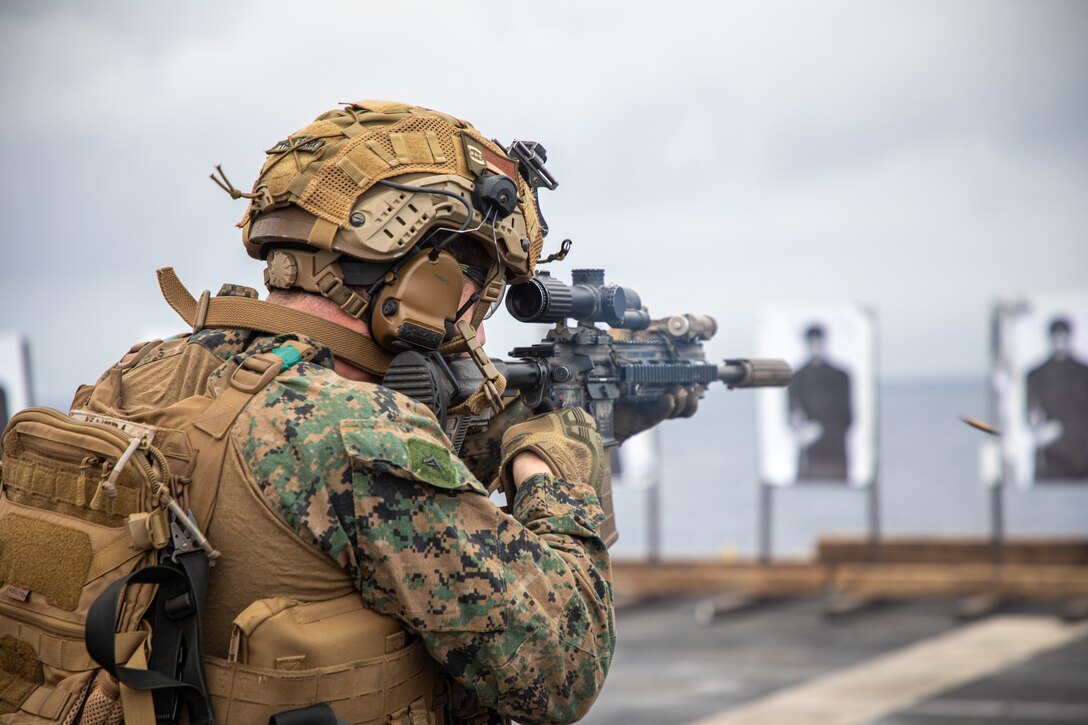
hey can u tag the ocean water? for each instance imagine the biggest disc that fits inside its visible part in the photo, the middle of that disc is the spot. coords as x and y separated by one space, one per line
928 478
929 481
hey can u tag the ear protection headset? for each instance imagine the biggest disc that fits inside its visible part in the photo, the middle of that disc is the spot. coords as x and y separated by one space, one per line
415 303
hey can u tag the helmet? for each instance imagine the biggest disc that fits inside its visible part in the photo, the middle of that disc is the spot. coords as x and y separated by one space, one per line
368 204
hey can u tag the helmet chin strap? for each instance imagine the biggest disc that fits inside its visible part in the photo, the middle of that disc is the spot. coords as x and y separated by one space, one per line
346 299
491 389
489 295
489 394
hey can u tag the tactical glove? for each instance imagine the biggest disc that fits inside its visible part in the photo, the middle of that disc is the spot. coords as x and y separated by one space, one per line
680 402
565 439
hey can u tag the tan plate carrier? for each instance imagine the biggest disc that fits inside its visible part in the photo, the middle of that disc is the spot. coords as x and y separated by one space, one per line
83 502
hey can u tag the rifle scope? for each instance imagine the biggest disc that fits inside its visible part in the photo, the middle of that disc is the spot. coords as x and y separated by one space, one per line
589 299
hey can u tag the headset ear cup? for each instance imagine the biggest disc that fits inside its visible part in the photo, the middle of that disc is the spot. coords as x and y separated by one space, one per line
412 310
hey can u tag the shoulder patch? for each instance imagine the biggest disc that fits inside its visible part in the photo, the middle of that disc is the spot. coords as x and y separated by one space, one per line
431 463
406 451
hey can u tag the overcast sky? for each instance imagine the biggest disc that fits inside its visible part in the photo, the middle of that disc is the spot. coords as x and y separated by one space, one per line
925 158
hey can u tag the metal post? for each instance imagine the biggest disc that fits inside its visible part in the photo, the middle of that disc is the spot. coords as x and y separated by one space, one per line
653 521
29 374
653 500
875 553
874 521
997 523
997 490
766 519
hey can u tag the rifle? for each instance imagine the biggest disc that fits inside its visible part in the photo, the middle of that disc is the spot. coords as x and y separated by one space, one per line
581 364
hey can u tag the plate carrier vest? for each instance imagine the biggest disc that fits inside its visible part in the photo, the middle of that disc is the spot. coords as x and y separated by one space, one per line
104 564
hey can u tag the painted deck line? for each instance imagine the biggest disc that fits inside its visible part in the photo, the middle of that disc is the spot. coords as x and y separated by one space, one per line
891 682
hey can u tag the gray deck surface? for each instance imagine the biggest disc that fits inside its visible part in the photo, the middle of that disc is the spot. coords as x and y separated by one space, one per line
1049 689
670 670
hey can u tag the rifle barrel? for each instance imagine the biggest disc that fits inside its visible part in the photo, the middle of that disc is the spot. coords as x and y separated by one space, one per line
755 373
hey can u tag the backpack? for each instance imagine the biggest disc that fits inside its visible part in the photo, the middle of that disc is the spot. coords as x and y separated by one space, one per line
100 547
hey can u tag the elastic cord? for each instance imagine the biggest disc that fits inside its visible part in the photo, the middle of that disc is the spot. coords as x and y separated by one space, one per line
431 190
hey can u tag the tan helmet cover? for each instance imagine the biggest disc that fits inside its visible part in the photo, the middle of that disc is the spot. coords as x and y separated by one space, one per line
320 186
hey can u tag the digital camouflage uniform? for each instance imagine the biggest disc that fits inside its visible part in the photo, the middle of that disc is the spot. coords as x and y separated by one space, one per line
516 608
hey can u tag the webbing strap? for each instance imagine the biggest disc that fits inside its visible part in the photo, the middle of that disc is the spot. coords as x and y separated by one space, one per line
138 705
247 313
322 233
493 384
220 415
176 639
180 596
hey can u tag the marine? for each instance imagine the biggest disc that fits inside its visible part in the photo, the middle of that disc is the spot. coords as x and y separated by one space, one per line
320 551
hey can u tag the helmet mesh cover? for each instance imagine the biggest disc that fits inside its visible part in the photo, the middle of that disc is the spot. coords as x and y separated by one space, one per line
326 166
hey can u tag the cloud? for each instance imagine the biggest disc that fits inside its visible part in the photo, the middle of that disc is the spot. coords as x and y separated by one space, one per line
924 157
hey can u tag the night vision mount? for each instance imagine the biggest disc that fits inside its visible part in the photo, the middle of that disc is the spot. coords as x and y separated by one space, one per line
531 157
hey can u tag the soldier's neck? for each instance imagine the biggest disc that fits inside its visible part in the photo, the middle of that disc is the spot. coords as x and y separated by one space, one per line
326 308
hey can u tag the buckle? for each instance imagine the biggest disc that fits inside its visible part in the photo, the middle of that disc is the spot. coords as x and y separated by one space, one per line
355 306
255 372
327 282
493 290
202 311
264 199
180 605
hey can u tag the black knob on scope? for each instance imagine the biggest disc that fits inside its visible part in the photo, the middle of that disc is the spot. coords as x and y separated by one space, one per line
613 304
593 277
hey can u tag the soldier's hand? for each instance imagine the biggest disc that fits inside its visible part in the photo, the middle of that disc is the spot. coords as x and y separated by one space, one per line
680 402
565 440
528 464
481 450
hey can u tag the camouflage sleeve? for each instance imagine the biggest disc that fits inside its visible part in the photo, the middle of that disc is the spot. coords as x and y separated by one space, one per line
517 608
